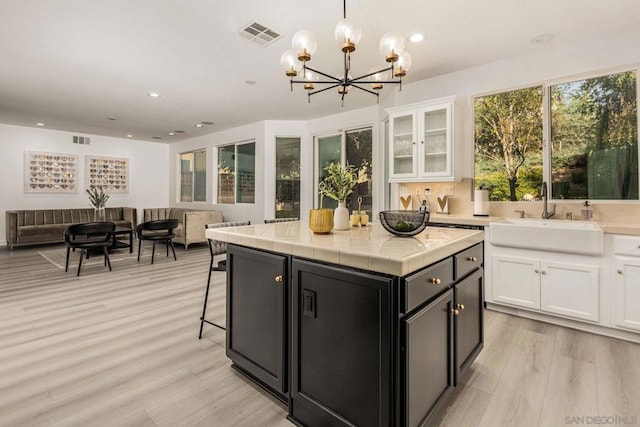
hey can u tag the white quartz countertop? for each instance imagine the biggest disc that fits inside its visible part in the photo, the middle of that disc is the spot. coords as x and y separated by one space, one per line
370 248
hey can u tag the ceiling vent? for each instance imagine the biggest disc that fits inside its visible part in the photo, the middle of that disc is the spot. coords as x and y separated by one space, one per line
83 140
259 34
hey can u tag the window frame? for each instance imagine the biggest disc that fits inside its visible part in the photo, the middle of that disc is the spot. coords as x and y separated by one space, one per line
546 120
193 176
216 157
343 158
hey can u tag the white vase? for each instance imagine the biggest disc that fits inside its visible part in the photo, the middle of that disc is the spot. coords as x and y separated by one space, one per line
341 217
99 214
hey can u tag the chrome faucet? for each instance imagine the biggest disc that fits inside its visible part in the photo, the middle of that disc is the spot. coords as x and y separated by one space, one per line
545 198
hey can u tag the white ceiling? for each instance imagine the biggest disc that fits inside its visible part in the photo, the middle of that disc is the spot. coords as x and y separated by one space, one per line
70 64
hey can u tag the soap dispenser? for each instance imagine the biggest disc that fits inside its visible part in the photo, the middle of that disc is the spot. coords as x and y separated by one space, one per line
587 214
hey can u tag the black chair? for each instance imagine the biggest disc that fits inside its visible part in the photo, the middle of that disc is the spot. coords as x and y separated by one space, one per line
276 220
216 247
92 235
157 231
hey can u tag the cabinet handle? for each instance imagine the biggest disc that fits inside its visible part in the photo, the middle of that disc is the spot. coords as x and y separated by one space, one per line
460 306
455 312
472 259
620 272
543 272
278 278
537 271
434 280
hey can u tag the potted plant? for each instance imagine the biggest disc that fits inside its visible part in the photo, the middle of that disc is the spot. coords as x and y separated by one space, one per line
321 220
98 200
339 183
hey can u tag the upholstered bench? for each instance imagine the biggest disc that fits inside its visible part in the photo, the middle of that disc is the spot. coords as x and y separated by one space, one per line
40 226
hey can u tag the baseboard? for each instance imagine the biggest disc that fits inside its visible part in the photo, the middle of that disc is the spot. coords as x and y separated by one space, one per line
574 324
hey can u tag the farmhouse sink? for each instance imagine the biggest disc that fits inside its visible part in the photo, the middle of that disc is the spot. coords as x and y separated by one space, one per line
555 235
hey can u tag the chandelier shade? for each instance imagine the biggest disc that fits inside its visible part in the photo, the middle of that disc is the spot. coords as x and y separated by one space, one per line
305 44
348 33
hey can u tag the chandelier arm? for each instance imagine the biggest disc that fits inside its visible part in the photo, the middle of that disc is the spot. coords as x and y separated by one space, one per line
371 74
321 82
323 89
323 74
364 89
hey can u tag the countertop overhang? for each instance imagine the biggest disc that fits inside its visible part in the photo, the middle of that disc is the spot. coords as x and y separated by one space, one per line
369 248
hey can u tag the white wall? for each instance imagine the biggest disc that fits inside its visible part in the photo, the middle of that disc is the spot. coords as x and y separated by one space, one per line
240 212
549 62
148 180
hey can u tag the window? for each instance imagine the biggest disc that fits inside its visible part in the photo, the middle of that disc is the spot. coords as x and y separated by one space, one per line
287 177
508 143
193 176
356 148
593 140
236 173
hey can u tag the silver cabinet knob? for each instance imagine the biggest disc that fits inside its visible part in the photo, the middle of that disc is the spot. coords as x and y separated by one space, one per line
537 271
620 272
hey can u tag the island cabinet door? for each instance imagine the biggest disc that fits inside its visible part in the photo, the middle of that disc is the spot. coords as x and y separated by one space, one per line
468 320
341 347
256 315
427 356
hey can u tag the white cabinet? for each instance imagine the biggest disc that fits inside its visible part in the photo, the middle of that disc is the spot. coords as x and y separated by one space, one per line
565 288
421 142
515 280
570 289
626 282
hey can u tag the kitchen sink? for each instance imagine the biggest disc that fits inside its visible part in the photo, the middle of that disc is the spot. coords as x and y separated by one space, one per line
555 235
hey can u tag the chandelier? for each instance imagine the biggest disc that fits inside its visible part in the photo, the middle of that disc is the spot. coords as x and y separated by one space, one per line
347 35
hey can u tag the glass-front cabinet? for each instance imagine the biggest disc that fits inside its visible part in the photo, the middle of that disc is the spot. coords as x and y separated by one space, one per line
421 141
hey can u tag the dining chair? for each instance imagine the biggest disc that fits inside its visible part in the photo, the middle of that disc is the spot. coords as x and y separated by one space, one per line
160 230
87 236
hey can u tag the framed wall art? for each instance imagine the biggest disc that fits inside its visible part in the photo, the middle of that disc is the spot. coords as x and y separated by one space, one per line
46 172
109 173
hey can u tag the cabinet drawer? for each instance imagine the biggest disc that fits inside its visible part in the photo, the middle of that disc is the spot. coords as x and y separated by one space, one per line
425 284
468 260
626 245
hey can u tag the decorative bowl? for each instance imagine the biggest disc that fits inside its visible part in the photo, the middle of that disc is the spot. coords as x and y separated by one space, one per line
404 223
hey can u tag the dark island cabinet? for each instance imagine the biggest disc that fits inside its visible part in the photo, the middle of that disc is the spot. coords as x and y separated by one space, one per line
348 347
427 353
257 316
342 346
468 320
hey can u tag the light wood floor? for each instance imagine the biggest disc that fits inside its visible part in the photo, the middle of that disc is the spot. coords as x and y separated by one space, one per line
120 348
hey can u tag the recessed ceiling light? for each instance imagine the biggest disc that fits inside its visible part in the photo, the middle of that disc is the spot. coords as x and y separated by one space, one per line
542 39
416 38
154 94
207 123
111 118
171 133
129 136
39 124
199 125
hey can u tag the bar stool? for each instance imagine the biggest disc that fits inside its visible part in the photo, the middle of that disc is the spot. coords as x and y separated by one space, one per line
216 247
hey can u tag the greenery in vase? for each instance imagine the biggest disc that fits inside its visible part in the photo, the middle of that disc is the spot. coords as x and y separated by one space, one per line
97 199
339 182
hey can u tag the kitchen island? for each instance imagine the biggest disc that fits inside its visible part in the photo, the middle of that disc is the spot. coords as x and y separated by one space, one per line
357 327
